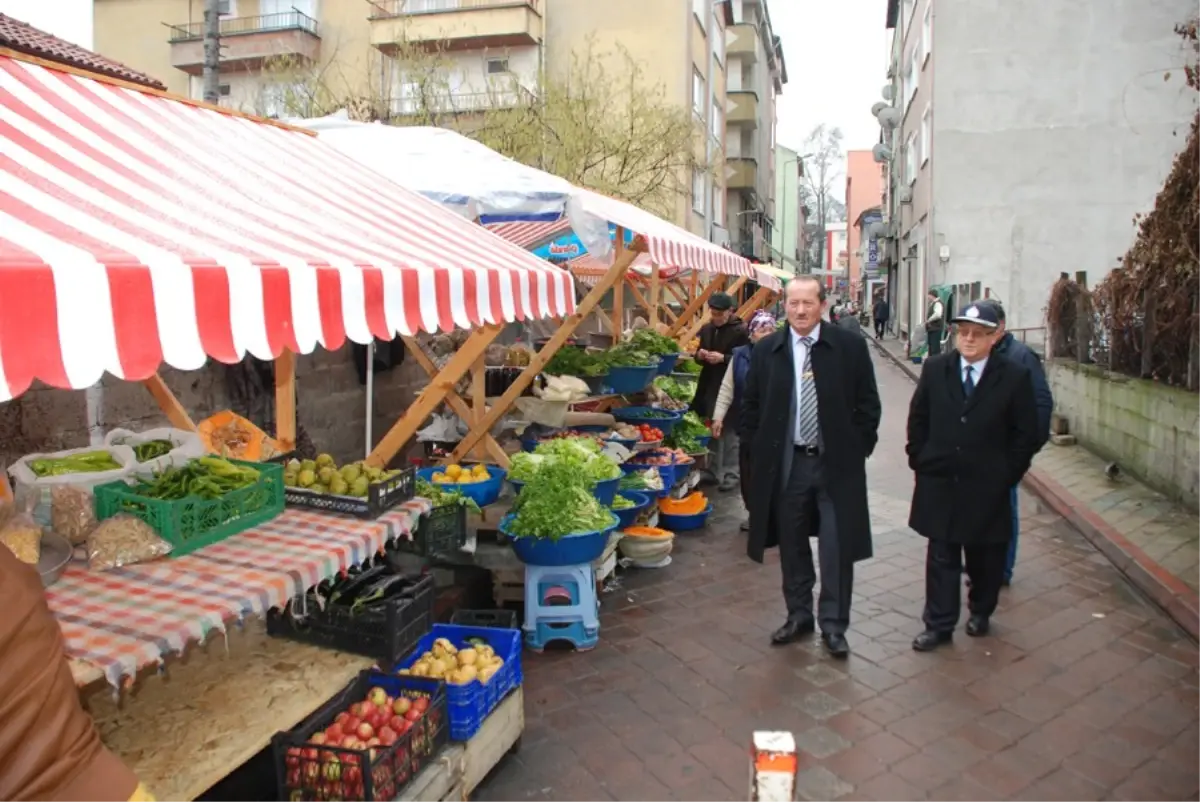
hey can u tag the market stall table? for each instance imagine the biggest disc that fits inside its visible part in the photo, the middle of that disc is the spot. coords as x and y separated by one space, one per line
123 621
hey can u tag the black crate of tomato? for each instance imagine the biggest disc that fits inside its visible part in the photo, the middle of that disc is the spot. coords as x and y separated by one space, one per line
377 612
381 497
366 743
442 531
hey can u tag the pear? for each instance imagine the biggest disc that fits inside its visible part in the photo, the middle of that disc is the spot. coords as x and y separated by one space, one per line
324 460
351 472
306 477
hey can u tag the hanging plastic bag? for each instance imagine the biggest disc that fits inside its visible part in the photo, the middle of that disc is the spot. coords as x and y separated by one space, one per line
21 535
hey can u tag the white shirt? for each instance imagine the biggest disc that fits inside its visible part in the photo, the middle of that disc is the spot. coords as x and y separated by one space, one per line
799 353
976 369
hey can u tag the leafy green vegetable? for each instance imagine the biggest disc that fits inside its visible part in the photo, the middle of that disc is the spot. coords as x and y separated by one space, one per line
444 498
649 479
583 455
558 501
673 388
690 425
626 355
571 361
688 366
686 443
652 342
622 503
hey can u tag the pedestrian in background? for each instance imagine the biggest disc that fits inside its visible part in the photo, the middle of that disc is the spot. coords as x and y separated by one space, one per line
727 413
811 413
972 432
935 323
1008 347
880 313
724 332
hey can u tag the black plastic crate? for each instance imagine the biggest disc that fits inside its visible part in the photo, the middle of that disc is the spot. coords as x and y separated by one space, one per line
386 632
381 497
499 619
442 531
377 771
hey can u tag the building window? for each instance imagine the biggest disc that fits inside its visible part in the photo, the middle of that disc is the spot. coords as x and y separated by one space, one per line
227 8
697 191
914 75
927 34
718 36
910 158
925 132
699 93
700 9
717 123
497 66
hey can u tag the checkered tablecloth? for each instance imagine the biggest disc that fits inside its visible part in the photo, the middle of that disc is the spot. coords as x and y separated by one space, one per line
124 620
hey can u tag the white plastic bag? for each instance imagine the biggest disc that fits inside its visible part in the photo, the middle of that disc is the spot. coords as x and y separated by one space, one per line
188 446
34 491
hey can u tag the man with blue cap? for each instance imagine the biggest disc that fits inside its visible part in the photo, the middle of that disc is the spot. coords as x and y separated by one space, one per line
972 433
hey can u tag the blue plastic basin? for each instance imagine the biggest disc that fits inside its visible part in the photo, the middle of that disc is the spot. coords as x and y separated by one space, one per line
667 364
578 548
630 380
662 419
628 515
483 493
604 491
684 523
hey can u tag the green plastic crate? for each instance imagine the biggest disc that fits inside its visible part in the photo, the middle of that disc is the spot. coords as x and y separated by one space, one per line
192 523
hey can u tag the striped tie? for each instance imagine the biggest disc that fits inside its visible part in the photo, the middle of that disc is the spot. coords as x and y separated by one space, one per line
809 427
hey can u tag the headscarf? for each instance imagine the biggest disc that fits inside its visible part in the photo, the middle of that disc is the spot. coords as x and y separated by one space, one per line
762 320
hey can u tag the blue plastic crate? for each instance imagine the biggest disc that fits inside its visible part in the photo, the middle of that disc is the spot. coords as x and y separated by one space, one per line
468 705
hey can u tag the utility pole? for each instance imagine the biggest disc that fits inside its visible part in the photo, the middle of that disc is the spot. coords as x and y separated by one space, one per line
212 51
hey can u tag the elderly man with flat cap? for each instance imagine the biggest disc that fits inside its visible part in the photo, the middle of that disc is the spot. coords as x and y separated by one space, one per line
972 432
724 332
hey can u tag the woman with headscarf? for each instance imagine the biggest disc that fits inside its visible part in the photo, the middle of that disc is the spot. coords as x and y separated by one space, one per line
727 412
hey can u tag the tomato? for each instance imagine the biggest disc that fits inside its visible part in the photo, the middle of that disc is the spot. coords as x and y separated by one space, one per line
421 703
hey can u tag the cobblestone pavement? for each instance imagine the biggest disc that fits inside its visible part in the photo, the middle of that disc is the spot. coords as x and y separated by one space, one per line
1083 691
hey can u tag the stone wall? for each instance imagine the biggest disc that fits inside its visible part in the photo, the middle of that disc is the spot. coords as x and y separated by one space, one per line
331 405
1147 428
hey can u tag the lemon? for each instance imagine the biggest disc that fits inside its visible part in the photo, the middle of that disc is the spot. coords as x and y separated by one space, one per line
439 478
453 472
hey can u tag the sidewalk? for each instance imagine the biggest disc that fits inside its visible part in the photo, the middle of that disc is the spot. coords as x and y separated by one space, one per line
1152 540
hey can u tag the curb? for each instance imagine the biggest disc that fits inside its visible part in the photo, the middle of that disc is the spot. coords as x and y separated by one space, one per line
1166 590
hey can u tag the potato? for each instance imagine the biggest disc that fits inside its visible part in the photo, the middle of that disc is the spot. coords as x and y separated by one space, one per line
467 657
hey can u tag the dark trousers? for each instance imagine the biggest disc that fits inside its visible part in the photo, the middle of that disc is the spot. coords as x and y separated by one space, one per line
744 472
943 581
805 503
880 325
934 338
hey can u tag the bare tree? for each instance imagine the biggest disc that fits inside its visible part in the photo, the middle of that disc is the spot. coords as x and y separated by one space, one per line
822 167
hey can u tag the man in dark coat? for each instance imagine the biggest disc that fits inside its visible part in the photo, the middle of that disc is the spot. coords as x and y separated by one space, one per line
1007 346
811 410
881 313
972 432
724 332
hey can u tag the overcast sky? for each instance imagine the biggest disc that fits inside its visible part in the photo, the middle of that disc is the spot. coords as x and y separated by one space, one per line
66 19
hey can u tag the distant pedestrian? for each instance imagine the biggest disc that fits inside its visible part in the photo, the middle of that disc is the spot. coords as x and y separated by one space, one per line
811 413
935 323
881 313
849 321
1007 346
972 432
724 332
727 413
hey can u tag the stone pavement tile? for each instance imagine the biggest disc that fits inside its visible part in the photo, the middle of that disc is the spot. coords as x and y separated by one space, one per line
1084 690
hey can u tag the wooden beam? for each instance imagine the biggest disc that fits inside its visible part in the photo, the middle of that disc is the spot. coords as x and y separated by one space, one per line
285 401
455 401
699 324
654 292
433 394
754 303
614 274
696 304
168 403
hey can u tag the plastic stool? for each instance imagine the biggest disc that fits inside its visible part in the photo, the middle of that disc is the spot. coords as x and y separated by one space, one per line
561 604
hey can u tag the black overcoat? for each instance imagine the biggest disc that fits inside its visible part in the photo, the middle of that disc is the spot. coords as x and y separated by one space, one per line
968 453
848 409
722 339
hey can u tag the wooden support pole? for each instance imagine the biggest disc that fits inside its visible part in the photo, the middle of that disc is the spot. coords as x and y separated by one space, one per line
699 324
618 308
455 401
612 276
168 403
641 299
696 305
285 401
433 394
478 402
654 293
754 303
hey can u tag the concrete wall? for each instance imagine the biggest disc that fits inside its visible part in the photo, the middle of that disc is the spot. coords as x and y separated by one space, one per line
1147 428
1053 128
331 406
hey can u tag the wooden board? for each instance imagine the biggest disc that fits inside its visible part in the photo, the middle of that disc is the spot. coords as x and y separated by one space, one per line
183 732
462 767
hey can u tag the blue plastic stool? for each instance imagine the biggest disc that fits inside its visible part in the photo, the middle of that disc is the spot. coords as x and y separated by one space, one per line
561 604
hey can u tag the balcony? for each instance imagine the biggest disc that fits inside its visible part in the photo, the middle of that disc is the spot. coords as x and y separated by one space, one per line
455 24
742 173
742 42
743 108
248 43
440 104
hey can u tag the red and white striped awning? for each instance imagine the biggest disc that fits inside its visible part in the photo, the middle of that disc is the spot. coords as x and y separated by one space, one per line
136 229
530 235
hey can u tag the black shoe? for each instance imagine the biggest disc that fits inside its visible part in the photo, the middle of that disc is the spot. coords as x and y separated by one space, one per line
930 639
836 645
978 626
791 631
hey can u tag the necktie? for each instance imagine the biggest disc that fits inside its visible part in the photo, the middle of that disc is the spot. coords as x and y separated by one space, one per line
810 431
969 381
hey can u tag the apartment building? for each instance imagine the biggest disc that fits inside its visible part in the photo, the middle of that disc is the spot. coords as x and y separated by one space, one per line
756 75
491 52
787 235
1020 139
864 191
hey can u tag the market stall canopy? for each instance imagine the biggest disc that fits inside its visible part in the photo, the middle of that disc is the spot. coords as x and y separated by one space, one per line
465 175
136 229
